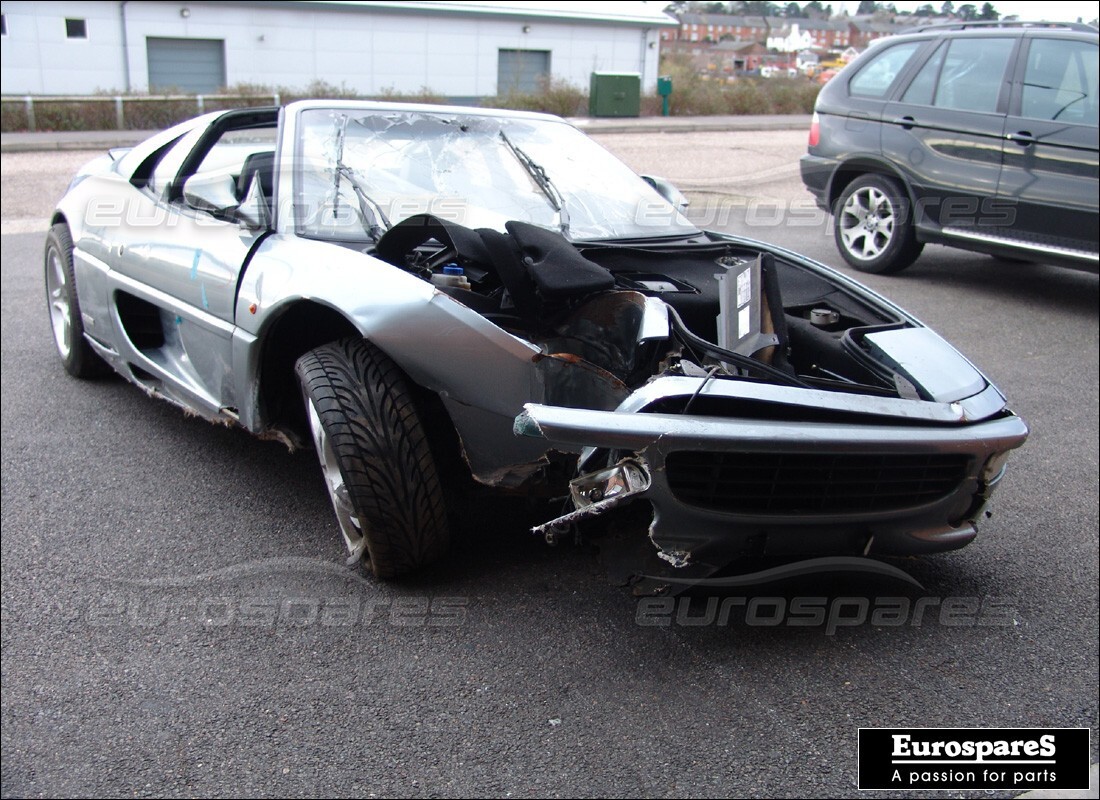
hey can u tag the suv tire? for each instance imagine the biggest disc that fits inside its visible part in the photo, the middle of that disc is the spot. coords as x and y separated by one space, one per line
873 226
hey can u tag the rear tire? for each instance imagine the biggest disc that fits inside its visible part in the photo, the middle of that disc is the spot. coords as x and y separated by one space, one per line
378 466
80 360
873 226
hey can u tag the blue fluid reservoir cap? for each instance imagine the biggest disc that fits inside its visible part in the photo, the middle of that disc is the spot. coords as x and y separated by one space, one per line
453 269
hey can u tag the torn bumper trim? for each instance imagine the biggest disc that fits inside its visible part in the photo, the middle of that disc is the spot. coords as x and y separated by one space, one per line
709 535
598 492
639 431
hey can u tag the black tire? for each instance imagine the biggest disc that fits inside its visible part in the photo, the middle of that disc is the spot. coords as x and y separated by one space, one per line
873 226
379 468
80 360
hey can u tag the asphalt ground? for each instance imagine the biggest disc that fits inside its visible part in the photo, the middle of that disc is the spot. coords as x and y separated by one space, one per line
177 618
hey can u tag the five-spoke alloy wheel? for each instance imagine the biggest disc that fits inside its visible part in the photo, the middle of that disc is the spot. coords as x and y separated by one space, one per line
874 227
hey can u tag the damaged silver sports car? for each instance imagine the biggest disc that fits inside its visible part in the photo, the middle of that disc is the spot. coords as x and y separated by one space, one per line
446 300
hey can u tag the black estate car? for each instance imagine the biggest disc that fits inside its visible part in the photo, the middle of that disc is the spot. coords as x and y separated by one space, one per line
979 136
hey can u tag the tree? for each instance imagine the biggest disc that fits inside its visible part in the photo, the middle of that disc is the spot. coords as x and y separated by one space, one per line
814 10
699 7
761 8
867 7
989 13
927 10
792 10
967 12
948 8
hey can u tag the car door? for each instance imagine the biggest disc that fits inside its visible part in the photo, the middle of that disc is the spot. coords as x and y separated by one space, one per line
178 261
1051 146
874 78
945 129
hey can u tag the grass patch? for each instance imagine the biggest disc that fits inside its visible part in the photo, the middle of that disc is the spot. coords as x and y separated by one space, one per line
553 96
692 95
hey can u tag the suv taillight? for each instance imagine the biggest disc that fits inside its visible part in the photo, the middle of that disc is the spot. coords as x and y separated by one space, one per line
815 130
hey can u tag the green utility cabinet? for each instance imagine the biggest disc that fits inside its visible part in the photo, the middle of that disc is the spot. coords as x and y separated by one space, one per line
615 94
664 90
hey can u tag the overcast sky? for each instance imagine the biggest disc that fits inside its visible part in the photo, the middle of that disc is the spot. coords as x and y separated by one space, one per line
1059 11
1026 9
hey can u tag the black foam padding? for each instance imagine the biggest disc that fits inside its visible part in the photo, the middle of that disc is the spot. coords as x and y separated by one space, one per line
504 257
410 233
554 264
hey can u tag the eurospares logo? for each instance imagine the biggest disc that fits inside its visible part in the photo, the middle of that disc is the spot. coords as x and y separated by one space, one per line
973 758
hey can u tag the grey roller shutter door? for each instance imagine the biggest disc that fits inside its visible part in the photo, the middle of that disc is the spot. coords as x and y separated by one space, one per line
194 66
520 70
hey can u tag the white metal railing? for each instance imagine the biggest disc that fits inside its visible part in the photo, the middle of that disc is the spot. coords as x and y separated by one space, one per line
121 101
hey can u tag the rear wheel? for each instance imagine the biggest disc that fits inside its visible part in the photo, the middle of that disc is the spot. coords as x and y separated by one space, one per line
375 457
77 355
874 229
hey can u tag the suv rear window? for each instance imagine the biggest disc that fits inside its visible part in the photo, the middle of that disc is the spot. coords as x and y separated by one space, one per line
875 78
1060 81
965 74
971 74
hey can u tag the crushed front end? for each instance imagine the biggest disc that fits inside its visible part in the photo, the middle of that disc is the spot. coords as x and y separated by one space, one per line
815 477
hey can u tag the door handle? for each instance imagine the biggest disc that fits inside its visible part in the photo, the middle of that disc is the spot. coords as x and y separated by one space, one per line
1022 138
906 122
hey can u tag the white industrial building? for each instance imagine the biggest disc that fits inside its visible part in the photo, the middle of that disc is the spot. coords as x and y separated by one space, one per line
457 49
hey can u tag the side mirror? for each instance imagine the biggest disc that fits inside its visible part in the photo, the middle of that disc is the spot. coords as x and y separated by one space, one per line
669 192
215 194
254 211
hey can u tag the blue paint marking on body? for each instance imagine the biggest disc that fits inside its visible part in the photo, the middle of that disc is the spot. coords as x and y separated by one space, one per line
195 265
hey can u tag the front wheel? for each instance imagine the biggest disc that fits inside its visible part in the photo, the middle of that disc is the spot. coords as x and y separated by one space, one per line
375 457
874 229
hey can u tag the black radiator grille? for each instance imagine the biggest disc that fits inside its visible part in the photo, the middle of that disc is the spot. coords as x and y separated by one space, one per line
812 483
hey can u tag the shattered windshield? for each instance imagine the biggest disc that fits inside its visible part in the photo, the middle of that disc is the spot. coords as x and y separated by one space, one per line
360 172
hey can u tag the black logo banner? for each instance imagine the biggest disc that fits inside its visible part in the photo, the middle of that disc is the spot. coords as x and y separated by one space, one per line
973 758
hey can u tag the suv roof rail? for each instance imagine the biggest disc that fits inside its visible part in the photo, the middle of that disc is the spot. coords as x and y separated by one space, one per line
1014 23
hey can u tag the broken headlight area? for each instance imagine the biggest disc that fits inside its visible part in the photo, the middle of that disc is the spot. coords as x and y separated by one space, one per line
626 478
596 493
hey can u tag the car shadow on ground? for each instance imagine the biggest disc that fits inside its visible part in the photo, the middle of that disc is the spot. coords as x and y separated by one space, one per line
994 279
